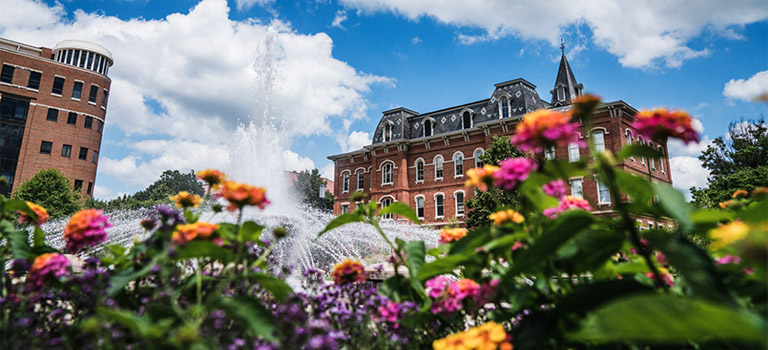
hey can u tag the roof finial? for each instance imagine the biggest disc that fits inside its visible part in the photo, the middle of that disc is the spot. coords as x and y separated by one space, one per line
562 46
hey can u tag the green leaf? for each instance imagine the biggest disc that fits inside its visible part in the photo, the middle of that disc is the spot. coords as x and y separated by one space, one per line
667 319
594 248
504 242
229 231
38 237
415 253
403 209
531 189
637 149
140 325
562 229
249 232
564 169
19 242
121 279
441 266
190 216
341 220
674 204
638 188
250 312
474 239
276 286
694 264
755 212
116 249
203 249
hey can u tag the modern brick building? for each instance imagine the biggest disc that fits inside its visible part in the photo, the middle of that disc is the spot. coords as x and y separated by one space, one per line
421 159
52 108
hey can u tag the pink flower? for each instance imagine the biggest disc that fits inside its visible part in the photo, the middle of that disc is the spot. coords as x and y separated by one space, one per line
87 228
729 259
567 203
555 188
437 285
513 171
544 128
45 266
450 296
663 123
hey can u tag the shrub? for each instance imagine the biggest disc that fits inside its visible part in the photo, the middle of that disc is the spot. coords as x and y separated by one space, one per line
50 189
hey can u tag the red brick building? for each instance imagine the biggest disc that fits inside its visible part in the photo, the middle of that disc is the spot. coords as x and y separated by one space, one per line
421 159
52 108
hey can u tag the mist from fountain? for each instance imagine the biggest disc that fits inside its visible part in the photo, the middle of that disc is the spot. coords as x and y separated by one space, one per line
256 157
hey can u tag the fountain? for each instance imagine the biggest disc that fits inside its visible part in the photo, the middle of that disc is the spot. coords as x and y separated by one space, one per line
255 157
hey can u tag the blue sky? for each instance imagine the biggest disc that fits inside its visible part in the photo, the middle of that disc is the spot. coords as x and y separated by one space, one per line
188 72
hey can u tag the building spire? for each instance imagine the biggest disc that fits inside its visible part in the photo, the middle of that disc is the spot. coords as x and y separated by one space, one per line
566 87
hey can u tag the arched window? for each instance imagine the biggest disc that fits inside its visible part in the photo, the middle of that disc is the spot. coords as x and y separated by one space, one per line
420 207
428 126
388 132
653 160
439 205
478 162
459 199
661 160
438 167
561 93
385 202
628 136
345 182
599 138
466 120
458 164
504 106
386 174
360 180
419 170
640 141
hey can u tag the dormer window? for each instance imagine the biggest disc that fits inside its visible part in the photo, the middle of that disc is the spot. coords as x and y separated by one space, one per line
504 106
466 120
428 126
387 132
561 93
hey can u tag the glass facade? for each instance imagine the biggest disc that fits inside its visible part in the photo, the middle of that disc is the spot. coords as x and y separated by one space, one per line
13 116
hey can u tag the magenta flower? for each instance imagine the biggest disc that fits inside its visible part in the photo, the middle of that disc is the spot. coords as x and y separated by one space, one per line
545 128
87 228
567 203
436 286
513 171
662 123
45 266
729 259
555 188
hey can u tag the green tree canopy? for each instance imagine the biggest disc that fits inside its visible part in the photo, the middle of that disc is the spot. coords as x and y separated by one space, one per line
52 190
169 183
738 161
485 203
307 187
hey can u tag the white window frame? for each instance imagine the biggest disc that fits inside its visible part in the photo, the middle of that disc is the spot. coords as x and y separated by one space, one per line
601 147
581 185
441 194
661 160
421 162
457 164
431 127
383 169
360 176
387 131
549 153
423 205
561 93
440 168
382 206
628 136
471 119
345 208
640 142
476 157
345 175
571 148
463 203
652 160
599 197
502 109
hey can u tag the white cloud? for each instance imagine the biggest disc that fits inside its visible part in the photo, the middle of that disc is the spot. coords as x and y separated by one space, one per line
640 33
292 161
340 17
354 141
103 193
208 73
749 89
246 4
678 148
416 40
327 171
687 172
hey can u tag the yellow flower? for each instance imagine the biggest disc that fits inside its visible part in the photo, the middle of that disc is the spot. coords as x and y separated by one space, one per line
481 177
40 213
212 177
726 234
448 235
504 216
184 199
489 336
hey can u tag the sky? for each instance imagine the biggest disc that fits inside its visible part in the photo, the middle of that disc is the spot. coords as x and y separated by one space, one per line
188 72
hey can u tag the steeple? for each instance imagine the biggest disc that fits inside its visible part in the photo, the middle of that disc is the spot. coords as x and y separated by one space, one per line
566 88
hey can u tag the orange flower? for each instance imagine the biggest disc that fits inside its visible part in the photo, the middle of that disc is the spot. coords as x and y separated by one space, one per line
199 230
488 336
212 177
185 199
544 128
348 271
504 216
41 215
87 228
240 195
481 177
739 194
448 235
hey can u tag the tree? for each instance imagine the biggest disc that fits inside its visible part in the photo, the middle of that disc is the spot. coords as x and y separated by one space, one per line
169 183
307 187
738 161
485 203
52 190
